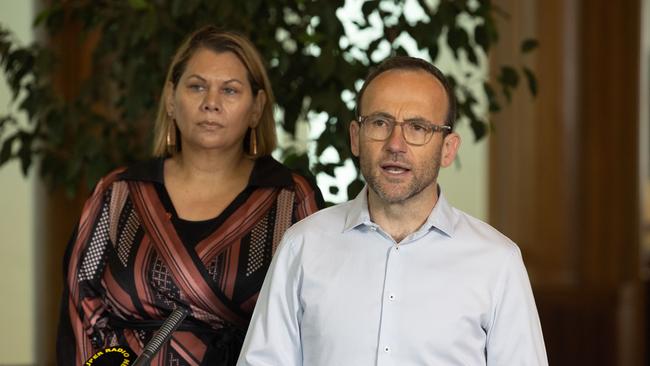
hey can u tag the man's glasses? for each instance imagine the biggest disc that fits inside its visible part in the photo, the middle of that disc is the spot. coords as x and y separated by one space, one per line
416 132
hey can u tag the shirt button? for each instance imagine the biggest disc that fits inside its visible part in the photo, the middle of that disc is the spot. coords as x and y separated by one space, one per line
373 228
387 349
391 297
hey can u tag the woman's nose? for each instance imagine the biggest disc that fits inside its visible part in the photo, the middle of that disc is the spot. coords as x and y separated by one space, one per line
211 102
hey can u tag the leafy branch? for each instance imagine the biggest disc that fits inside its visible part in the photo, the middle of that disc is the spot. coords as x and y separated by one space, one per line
106 121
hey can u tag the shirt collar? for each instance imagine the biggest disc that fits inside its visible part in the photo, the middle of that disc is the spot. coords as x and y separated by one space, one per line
358 213
267 172
440 219
148 171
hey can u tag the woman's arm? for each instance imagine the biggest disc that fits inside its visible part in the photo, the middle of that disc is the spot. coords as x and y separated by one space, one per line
308 198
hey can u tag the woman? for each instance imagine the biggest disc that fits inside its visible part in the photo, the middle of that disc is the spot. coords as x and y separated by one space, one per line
194 228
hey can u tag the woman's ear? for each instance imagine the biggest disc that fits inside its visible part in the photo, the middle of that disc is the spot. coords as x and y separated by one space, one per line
169 98
258 107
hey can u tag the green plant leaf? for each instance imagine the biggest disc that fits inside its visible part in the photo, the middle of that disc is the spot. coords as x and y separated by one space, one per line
25 152
138 4
509 76
327 168
298 162
493 103
529 45
482 37
532 81
7 149
471 55
479 128
368 7
107 122
457 39
354 188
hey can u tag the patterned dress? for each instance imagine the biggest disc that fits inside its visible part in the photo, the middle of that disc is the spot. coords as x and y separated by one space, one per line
132 260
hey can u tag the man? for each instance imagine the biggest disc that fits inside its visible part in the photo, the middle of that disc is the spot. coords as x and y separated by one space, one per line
397 276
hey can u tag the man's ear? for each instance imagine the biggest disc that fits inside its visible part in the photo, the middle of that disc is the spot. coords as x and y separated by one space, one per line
450 145
169 98
354 137
258 107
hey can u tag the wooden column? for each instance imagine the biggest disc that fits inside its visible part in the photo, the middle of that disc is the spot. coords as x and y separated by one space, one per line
563 174
57 216
57 212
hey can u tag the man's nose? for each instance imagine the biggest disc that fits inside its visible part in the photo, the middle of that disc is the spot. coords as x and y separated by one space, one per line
396 141
211 101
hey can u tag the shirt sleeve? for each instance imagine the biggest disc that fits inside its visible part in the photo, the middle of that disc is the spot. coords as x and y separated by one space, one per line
515 335
65 341
74 340
273 336
80 335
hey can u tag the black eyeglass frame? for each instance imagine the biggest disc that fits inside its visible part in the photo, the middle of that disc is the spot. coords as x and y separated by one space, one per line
444 129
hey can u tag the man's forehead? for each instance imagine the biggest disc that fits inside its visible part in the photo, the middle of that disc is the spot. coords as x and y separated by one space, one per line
404 89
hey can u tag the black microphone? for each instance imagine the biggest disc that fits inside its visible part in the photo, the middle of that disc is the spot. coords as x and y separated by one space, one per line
161 337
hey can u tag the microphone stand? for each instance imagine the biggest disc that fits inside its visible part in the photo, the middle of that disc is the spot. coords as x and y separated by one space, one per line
161 337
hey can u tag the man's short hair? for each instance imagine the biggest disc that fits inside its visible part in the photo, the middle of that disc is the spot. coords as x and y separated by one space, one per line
412 64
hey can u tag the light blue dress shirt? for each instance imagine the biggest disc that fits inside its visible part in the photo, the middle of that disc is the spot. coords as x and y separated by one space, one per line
341 292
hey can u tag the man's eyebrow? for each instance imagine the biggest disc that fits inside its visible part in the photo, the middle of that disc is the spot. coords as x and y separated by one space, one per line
416 119
388 115
382 114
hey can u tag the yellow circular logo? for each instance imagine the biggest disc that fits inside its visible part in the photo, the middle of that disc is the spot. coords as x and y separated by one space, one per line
112 356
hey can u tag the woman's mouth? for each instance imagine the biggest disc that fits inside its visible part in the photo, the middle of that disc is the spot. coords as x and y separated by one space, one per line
210 125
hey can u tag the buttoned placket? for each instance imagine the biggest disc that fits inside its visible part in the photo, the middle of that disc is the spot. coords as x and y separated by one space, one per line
390 302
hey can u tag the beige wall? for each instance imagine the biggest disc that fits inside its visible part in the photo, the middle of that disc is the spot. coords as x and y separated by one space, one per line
16 226
465 183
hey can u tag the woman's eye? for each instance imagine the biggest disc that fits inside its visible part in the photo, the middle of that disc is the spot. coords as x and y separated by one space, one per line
229 91
196 87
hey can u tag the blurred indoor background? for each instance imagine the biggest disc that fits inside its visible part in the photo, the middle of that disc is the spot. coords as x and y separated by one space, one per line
565 174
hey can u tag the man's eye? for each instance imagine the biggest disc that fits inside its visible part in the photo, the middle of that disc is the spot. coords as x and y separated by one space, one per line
379 122
418 127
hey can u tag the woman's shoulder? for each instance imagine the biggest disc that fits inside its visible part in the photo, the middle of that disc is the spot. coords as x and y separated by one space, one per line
150 170
270 172
306 188
109 179
146 170
304 182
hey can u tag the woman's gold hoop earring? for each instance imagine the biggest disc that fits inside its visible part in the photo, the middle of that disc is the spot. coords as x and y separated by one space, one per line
169 139
171 136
